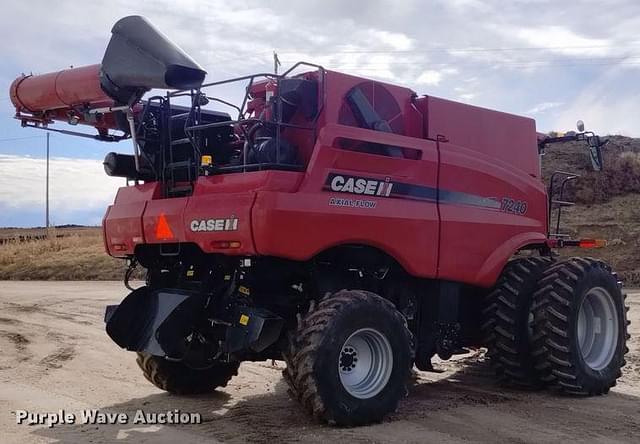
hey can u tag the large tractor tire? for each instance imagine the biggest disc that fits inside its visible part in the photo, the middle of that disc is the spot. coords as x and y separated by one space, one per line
581 326
508 322
177 378
349 359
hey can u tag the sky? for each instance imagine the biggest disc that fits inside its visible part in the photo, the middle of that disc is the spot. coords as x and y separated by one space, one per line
553 61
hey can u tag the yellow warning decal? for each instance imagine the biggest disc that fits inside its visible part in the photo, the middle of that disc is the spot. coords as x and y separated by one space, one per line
244 319
244 290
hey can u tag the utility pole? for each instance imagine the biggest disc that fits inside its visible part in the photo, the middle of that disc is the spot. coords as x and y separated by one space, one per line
47 187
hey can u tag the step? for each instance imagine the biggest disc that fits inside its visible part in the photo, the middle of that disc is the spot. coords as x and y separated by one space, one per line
181 189
180 141
180 164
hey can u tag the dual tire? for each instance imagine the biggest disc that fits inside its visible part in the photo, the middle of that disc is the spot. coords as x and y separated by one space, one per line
508 322
562 324
581 324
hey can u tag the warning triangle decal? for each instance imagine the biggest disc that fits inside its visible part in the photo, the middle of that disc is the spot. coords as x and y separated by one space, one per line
163 230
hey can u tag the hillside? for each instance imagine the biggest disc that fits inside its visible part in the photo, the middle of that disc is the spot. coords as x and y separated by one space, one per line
608 202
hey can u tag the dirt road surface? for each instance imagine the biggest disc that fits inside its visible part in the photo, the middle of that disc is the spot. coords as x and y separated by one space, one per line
55 355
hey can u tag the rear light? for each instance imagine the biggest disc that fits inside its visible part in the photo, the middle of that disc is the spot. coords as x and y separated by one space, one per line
226 244
582 243
119 247
592 243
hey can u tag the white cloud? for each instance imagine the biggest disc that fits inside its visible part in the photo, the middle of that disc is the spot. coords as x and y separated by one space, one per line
466 97
430 77
75 184
603 107
395 40
544 106
466 5
561 40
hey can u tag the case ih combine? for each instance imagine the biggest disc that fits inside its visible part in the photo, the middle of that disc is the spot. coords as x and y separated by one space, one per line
346 225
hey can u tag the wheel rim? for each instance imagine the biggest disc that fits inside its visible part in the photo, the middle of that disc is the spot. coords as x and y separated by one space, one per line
365 363
598 328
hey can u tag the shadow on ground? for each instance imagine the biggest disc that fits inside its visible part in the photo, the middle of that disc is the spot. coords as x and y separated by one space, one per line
467 405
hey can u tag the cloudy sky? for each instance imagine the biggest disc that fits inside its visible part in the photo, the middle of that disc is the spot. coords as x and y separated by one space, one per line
532 57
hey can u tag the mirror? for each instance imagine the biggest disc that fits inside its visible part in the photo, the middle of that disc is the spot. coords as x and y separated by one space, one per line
580 126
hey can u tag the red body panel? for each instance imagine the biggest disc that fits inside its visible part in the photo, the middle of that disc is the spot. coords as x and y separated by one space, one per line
300 225
137 210
465 197
476 240
501 136
123 221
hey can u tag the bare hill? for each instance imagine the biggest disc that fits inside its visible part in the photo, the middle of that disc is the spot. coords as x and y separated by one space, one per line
608 202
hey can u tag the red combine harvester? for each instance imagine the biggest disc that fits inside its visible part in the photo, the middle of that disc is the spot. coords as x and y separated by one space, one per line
346 225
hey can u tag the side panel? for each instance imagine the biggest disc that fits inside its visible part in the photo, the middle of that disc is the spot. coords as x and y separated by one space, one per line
217 214
505 137
488 211
163 220
219 211
212 220
122 224
403 223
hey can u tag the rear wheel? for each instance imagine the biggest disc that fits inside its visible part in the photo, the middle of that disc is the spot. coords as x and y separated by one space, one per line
508 322
349 359
177 378
581 326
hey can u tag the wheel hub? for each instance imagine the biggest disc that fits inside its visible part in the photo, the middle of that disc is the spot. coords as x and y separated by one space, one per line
365 363
348 359
598 328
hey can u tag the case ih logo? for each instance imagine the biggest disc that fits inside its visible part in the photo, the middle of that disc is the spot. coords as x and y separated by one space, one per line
341 183
230 224
358 185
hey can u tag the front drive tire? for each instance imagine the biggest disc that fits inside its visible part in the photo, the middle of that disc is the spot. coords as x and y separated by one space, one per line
348 361
177 378
581 326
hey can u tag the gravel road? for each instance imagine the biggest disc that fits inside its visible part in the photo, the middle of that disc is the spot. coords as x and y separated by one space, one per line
55 355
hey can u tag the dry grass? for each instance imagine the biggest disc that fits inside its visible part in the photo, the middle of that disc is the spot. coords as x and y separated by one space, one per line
79 255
